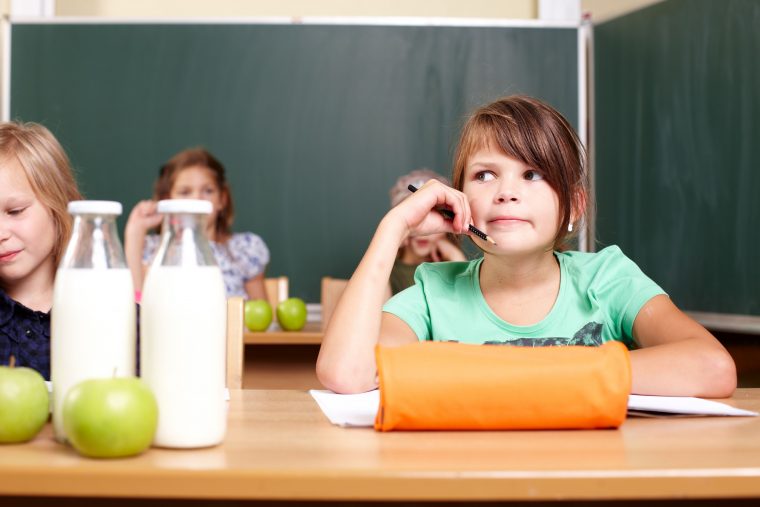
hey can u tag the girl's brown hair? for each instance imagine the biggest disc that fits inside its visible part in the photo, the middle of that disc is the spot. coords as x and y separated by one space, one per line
194 157
536 134
48 170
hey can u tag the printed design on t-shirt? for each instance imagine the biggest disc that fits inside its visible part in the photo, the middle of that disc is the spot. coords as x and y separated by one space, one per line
589 335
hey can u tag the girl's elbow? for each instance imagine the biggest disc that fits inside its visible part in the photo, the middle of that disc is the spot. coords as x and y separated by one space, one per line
337 379
726 369
722 383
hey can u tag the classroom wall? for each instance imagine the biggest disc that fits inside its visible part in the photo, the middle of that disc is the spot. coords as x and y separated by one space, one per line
236 8
600 10
603 10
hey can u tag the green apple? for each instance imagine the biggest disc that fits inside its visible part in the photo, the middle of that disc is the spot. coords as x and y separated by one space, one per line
110 417
291 314
24 404
258 315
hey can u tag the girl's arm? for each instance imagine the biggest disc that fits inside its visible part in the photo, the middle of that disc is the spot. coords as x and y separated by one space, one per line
678 357
255 288
142 218
346 362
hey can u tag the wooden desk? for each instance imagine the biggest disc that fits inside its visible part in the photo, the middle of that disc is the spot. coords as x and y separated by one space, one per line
311 334
282 359
280 447
749 324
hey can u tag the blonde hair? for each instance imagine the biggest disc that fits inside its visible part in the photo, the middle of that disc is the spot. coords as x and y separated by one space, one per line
418 177
48 170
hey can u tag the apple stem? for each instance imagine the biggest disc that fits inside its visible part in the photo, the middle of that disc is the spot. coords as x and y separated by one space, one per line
12 361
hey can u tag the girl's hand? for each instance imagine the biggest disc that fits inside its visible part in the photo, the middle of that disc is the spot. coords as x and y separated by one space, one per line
419 212
143 217
445 250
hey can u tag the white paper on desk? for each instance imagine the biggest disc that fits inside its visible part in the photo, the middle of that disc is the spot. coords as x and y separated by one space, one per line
348 409
683 405
360 409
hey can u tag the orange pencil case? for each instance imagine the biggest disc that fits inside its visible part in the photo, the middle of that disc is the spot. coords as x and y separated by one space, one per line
455 386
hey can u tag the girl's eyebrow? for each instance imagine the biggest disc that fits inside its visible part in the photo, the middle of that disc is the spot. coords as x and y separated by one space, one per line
18 200
480 163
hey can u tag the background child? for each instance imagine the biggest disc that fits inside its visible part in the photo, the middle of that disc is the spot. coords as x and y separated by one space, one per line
196 174
36 184
418 249
519 176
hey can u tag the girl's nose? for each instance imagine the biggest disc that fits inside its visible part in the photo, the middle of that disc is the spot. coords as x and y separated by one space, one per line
508 191
5 232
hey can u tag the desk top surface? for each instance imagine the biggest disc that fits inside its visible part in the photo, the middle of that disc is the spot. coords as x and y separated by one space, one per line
280 446
311 334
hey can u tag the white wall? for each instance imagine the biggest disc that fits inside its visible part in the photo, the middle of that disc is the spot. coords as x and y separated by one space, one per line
243 8
517 9
602 10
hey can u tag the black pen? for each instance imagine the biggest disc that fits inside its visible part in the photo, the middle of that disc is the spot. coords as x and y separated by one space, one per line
450 215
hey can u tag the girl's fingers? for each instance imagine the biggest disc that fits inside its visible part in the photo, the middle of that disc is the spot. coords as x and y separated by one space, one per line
461 208
425 216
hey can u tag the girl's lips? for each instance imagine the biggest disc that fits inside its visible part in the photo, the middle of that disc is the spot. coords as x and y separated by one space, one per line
9 256
506 221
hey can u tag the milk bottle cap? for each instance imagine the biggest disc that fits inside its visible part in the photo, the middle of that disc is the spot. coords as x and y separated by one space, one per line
185 206
95 207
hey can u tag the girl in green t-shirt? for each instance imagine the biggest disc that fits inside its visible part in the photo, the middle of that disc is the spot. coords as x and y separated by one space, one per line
520 177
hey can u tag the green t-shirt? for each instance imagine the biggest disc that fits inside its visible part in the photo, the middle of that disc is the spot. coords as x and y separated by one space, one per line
600 295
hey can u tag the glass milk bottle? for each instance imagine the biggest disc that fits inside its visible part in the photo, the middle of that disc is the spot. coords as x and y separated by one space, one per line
182 330
92 329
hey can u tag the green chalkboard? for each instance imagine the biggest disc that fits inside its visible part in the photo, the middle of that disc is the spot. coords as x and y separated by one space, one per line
314 123
678 148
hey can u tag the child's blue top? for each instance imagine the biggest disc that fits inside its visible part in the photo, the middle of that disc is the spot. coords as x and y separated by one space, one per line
24 334
600 295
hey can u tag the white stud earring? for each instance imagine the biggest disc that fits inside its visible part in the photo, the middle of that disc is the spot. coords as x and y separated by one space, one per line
570 227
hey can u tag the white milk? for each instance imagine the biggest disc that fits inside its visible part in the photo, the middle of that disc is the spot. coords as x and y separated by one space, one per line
92 330
183 353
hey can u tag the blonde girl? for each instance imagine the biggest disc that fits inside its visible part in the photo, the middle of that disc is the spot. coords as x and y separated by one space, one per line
36 184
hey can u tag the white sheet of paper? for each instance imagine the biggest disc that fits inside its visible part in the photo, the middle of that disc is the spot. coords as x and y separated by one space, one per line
348 409
683 405
360 409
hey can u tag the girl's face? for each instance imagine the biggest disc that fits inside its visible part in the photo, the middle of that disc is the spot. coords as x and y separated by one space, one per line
511 202
27 230
198 182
